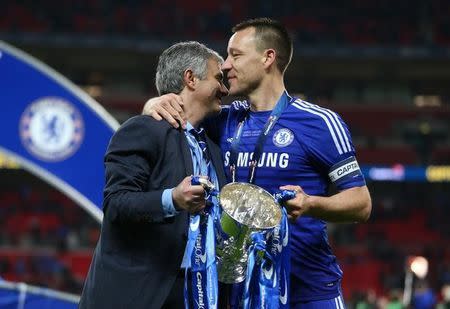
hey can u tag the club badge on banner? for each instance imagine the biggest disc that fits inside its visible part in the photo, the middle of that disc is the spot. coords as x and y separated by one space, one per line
52 128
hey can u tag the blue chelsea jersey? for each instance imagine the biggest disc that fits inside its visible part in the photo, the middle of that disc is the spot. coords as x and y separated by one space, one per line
308 146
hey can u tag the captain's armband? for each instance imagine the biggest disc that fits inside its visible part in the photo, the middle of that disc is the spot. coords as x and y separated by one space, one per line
344 170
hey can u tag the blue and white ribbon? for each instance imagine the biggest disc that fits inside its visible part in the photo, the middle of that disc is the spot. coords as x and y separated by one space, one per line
285 255
267 279
285 262
200 257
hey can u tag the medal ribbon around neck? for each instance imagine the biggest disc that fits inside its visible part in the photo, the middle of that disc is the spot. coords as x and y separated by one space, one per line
284 101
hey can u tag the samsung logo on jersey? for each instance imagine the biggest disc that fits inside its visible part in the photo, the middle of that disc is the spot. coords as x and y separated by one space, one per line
268 159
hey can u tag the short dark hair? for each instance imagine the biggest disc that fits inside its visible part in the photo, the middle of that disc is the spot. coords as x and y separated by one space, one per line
270 33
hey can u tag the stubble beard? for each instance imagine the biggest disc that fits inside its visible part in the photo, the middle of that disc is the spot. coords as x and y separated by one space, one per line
246 90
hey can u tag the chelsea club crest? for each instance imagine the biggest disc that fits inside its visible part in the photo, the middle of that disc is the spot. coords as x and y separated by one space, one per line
283 137
51 129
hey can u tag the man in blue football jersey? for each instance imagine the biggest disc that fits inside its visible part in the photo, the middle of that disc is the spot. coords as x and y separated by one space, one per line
278 141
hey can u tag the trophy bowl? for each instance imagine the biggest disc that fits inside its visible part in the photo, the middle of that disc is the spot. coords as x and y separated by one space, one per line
246 208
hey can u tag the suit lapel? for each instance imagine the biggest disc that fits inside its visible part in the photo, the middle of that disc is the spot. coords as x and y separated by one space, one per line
189 168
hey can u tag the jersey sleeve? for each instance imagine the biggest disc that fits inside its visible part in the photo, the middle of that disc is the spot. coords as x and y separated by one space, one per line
329 144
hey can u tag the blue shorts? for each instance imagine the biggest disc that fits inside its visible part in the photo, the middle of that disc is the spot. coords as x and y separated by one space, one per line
334 303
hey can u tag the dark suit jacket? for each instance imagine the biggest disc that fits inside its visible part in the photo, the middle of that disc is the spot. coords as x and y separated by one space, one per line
139 253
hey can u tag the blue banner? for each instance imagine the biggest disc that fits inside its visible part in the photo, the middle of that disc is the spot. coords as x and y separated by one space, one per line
23 296
52 128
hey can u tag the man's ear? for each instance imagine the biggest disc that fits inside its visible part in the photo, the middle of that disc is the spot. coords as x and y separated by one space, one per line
269 57
189 79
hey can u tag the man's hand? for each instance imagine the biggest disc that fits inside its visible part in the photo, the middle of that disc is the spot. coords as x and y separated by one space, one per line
168 107
297 206
189 197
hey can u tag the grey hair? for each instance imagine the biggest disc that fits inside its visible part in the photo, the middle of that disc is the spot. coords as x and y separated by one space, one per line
178 58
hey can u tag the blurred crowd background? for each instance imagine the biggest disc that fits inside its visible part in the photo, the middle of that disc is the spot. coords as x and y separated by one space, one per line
348 22
383 65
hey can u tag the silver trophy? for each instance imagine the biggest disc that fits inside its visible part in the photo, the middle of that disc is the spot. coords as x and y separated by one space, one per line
246 208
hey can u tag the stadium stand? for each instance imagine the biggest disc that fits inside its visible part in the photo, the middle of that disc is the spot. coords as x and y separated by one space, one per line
350 22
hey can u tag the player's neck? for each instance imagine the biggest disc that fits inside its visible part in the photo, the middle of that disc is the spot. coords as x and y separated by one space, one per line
266 96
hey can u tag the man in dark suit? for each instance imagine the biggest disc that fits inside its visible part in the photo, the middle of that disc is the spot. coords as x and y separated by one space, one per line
148 194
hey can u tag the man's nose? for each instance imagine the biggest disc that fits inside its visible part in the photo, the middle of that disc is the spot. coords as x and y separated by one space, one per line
226 66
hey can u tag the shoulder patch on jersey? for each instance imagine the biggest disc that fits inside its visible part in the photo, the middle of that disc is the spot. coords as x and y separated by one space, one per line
283 137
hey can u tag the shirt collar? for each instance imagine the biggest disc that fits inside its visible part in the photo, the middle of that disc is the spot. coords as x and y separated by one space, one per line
189 126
